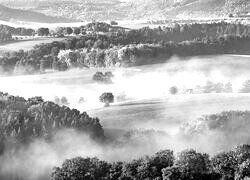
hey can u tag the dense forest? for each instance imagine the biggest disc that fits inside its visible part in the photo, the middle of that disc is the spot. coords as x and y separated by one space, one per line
130 47
24 120
164 165
141 54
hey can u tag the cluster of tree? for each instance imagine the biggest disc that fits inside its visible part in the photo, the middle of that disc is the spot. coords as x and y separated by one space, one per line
94 27
67 30
245 87
189 32
98 27
48 56
103 77
141 54
118 35
41 57
22 120
63 101
124 48
236 6
16 31
188 164
177 33
212 87
113 23
225 122
43 31
5 37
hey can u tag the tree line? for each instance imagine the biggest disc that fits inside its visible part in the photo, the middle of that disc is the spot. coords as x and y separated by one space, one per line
96 27
129 48
17 31
176 33
141 54
6 32
164 165
49 56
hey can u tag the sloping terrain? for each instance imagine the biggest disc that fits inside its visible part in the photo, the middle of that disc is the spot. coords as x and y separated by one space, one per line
89 10
25 44
86 10
10 14
169 113
197 9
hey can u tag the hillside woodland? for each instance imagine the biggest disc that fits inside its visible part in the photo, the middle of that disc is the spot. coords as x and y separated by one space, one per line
107 47
89 10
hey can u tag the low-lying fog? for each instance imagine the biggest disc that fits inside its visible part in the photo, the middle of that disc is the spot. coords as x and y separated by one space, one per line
137 83
149 107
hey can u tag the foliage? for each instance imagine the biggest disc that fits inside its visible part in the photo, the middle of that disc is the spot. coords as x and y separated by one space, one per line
113 23
188 165
106 98
5 36
243 171
121 47
163 165
82 168
16 31
225 163
63 101
245 87
92 168
211 87
115 171
235 6
43 31
23 120
226 122
173 90
103 77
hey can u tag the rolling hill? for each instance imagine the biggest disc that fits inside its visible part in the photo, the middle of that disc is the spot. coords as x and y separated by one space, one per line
11 14
89 10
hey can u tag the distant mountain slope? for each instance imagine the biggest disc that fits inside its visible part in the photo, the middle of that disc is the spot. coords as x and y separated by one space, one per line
197 8
88 10
10 14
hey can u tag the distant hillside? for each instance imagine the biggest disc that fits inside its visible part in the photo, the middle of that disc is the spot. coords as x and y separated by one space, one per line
186 8
196 9
10 14
88 10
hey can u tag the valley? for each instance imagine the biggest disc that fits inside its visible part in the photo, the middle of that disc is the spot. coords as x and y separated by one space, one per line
124 90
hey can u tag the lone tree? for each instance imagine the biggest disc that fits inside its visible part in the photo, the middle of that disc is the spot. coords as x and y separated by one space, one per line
173 90
106 98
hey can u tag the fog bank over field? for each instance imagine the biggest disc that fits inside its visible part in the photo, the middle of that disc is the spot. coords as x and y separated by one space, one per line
148 114
135 83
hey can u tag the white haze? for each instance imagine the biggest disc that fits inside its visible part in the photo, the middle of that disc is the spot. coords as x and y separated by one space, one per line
138 83
143 82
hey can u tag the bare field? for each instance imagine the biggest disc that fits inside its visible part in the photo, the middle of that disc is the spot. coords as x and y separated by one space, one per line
25 44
